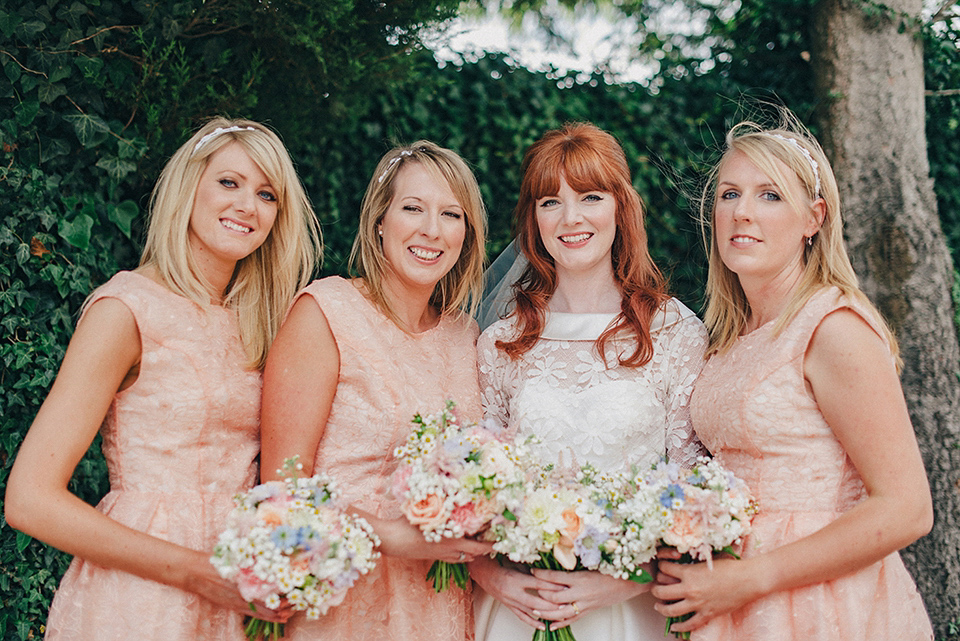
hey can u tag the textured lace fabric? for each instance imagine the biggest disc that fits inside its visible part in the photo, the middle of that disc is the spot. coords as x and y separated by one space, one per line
179 443
563 391
386 376
752 410
583 410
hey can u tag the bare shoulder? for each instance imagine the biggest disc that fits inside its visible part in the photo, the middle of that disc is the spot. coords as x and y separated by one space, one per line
845 345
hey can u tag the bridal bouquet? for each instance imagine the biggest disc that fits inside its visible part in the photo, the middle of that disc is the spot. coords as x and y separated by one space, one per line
454 480
579 519
288 540
704 510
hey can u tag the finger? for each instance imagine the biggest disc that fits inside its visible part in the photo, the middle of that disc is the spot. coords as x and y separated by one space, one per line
557 577
671 554
676 609
691 624
562 597
529 619
477 548
671 569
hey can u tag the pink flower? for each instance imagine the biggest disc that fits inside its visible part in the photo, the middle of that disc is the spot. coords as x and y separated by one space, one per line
427 513
467 517
400 478
272 513
481 435
252 588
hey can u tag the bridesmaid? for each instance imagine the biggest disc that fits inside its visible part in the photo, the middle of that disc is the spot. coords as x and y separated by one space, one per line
597 359
800 398
356 359
167 358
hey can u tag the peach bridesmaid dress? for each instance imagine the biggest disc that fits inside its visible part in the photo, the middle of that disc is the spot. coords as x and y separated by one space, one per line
752 410
179 443
386 376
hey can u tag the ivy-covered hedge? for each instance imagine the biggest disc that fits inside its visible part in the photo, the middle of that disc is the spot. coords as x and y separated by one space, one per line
96 94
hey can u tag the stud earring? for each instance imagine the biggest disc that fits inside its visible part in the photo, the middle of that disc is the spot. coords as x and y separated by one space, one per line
809 241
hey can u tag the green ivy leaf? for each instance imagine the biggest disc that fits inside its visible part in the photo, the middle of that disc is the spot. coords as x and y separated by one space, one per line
91 130
49 92
23 540
122 215
8 23
77 232
26 111
29 29
115 167
91 67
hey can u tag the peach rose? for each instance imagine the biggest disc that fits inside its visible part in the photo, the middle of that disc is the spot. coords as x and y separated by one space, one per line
427 513
272 513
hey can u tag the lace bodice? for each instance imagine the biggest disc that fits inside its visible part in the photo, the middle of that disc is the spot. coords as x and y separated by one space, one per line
563 392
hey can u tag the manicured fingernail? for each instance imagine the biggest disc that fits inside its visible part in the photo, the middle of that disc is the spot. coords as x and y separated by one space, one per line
536 613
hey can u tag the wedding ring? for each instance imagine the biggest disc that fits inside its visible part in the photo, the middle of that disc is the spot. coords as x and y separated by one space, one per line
461 557
576 608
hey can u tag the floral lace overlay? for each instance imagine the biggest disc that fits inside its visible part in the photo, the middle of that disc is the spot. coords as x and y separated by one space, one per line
563 392
386 376
752 409
179 443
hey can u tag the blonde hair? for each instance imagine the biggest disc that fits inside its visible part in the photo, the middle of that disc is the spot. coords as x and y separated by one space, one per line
462 286
825 261
264 282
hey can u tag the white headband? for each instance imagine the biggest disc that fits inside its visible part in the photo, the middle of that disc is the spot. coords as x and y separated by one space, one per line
393 161
806 154
216 132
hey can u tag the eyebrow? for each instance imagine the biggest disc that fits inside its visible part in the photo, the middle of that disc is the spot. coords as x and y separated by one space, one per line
762 185
417 199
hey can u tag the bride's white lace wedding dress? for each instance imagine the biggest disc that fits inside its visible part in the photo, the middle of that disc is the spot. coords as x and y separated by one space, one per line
562 391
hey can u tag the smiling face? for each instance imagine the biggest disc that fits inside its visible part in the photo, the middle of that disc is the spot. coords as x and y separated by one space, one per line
233 210
423 230
578 229
760 237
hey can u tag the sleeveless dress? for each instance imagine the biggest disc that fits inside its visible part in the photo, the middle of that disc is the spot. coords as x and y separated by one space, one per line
387 376
563 392
752 410
179 443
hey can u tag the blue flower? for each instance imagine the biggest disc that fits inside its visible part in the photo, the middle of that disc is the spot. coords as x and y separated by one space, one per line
672 496
286 536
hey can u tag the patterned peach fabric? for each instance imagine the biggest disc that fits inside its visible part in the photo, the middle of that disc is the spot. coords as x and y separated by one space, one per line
179 443
386 376
752 410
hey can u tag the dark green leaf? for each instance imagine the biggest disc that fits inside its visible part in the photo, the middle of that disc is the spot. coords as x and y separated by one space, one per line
23 540
77 232
122 215
91 130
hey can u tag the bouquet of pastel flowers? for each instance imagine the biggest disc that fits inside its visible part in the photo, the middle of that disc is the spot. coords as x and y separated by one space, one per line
575 519
290 540
703 510
454 480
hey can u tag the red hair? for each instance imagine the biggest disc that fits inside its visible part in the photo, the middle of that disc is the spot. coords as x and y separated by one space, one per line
589 159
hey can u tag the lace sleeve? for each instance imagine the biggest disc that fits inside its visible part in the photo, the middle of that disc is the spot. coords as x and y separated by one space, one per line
492 365
686 342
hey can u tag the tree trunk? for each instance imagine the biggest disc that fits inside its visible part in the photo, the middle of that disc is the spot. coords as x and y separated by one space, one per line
869 66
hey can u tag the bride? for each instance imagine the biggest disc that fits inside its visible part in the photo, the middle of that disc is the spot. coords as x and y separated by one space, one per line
595 359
